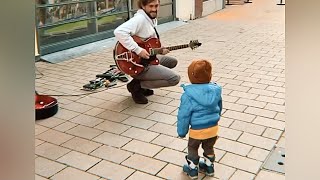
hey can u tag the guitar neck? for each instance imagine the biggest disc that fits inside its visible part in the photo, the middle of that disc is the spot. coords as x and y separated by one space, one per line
156 51
171 48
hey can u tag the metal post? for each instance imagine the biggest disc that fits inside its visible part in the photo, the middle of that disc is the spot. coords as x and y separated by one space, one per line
174 10
248 1
92 23
228 3
280 3
130 8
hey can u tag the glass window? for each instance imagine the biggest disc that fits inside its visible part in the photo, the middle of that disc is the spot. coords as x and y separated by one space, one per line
111 22
68 12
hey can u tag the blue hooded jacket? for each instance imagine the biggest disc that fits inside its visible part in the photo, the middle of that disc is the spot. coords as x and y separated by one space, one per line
200 107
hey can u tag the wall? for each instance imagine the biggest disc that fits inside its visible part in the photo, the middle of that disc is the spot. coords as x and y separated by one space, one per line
212 6
186 8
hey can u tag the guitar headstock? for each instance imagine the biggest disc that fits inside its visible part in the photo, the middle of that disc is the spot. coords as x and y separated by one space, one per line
194 44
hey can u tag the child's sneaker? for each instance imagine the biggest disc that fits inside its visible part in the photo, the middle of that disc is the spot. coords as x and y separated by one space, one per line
207 166
191 169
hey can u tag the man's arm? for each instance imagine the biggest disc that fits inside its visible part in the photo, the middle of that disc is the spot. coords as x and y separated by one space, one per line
124 32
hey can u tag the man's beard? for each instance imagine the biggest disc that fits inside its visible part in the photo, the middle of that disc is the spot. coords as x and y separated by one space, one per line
149 15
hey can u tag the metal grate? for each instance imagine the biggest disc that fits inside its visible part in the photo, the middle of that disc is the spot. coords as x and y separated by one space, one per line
276 160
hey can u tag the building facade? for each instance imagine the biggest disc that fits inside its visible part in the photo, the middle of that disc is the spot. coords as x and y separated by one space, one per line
63 24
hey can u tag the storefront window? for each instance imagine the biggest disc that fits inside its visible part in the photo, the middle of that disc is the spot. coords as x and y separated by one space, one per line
74 22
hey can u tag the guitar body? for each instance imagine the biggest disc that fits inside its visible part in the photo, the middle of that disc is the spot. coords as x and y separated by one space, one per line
129 62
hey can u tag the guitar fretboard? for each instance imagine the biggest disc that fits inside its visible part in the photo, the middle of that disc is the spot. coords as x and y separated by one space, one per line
177 47
171 48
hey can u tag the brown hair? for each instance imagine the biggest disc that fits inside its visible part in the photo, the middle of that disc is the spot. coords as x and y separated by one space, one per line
200 71
142 3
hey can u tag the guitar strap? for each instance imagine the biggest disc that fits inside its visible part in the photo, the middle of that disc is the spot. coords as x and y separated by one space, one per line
156 32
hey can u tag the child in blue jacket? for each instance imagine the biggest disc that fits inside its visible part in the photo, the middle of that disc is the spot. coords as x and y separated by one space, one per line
199 113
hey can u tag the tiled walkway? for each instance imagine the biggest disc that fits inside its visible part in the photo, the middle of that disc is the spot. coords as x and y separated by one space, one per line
106 136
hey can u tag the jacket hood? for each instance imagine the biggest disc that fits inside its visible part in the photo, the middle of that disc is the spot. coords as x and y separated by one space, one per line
153 22
204 94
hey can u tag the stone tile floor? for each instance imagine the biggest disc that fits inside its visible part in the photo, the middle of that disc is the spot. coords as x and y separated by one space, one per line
105 135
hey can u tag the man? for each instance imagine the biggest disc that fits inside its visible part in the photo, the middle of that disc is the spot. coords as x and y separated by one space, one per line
154 76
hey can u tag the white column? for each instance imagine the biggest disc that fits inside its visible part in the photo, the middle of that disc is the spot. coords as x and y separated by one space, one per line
185 9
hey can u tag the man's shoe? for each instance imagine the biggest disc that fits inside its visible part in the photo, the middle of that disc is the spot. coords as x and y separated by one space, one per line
136 92
139 98
147 92
133 85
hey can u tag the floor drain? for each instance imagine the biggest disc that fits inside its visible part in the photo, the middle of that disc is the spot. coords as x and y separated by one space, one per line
275 161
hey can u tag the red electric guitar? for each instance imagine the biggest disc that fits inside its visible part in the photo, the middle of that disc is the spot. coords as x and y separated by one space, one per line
130 63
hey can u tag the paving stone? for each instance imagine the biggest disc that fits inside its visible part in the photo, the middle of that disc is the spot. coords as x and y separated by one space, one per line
252 103
257 141
110 170
54 137
258 154
65 126
72 173
47 168
233 146
242 175
113 127
241 162
39 129
239 116
165 129
269 99
161 108
112 116
261 112
79 160
140 134
50 122
171 142
174 172
145 164
234 106
82 145
78 107
140 175
138 112
266 175
112 139
229 133
243 95
163 118
142 148
270 123
272 133
139 122
275 107
50 151
86 120
112 106
84 132
172 156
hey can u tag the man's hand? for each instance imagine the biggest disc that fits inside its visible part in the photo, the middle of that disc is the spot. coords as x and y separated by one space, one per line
165 51
144 54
